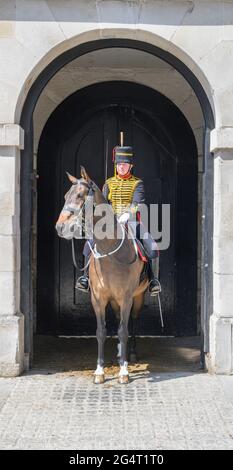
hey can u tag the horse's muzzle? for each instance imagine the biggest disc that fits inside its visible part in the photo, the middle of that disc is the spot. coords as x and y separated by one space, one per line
65 230
59 228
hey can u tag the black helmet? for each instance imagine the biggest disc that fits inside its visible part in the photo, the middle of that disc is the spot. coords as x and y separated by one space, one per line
123 154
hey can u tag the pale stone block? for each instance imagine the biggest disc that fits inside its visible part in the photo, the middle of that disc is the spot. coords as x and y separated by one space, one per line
45 33
7 203
220 357
223 218
84 31
109 31
223 255
80 17
8 96
223 194
225 100
227 32
214 65
11 345
85 11
8 292
7 176
200 29
11 135
148 33
117 12
7 29
16 61
7 225
221 138
162 17
7 10
8 261
223 298
9 181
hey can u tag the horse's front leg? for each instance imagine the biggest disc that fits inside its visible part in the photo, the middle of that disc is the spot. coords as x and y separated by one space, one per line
123 339
99 376
132 354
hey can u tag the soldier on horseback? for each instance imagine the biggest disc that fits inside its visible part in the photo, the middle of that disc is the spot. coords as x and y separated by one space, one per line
125 192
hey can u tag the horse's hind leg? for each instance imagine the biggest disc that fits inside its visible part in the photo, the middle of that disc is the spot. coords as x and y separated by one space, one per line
123 338
132 355
133 323
99 376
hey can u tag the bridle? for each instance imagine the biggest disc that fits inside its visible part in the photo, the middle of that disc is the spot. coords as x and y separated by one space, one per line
95 252
70 208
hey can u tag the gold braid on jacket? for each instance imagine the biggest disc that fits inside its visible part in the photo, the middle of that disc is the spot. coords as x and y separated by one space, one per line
120 192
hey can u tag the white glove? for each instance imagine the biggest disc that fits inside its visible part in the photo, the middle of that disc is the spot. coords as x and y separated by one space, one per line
124 218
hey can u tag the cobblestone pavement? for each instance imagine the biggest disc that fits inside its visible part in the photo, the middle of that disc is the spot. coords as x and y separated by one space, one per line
178 410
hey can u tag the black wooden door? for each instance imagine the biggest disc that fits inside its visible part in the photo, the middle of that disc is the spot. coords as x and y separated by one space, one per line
91 146
164 159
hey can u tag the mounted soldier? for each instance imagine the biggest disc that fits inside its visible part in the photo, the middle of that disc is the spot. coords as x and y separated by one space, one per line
125 192
116 272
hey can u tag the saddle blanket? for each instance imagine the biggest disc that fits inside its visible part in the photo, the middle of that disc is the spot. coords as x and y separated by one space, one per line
141 251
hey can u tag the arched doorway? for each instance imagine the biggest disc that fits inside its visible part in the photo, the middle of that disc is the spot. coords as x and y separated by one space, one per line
27 188
79 132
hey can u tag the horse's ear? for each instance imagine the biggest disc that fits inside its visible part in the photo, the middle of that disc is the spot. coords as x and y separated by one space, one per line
84 174
72 178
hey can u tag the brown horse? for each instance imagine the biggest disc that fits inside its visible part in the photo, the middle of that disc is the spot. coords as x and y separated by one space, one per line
114 270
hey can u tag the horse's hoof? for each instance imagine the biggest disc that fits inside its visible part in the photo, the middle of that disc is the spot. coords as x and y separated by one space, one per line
99 379
123 379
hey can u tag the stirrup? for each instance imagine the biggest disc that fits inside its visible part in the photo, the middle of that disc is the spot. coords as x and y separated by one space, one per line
156 289
81 286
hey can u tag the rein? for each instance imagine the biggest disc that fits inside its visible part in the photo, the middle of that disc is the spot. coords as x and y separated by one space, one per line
95 252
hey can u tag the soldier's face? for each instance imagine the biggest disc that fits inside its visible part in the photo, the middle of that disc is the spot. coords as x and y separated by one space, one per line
123 168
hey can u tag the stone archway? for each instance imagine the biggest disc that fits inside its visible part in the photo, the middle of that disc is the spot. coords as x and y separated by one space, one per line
27 301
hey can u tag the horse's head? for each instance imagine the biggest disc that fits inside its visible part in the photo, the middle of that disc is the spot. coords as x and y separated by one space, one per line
71 217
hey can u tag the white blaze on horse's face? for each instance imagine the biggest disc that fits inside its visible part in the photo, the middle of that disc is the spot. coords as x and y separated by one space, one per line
70 218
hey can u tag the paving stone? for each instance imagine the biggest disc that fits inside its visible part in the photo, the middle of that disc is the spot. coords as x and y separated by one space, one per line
165 411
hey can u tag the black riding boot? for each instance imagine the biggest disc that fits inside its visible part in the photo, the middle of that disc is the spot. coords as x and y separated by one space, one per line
154 286
82 282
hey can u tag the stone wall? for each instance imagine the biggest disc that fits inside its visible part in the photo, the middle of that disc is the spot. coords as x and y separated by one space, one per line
200 34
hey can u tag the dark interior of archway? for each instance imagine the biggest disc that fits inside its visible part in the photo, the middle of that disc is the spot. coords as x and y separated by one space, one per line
165 157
